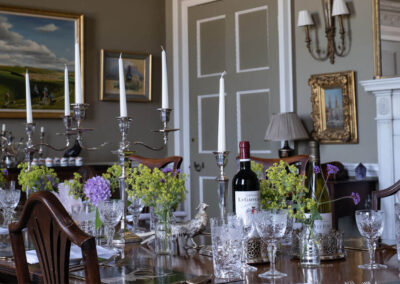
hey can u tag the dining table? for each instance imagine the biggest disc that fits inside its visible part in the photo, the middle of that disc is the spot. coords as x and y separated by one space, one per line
139 264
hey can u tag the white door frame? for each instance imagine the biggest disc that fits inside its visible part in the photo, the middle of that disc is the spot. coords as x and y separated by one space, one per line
180 47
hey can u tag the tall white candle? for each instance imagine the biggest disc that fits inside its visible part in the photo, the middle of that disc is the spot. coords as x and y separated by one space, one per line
42 129
3 127
67 110
28 99
78 82
221 115
164 80
122 92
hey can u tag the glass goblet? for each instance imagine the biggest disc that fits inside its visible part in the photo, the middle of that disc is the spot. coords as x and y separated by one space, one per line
9 199
135 208
271 226
251 239
85 215
370 224
110 212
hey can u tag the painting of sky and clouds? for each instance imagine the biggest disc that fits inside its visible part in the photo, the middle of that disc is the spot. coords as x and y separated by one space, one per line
43 46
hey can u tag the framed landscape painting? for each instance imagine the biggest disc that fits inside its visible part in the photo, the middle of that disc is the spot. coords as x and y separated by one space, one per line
41 42
334 108
137 71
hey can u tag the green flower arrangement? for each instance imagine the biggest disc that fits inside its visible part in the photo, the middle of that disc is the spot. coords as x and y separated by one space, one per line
161 189
258 168
113 174
3 179
38 178
76 187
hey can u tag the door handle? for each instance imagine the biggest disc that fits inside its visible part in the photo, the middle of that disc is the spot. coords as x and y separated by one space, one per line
198 167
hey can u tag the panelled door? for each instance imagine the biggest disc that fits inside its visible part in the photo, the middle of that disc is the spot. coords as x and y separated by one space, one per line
241 38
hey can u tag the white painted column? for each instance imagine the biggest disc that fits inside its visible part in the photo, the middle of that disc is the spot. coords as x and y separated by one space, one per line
387 94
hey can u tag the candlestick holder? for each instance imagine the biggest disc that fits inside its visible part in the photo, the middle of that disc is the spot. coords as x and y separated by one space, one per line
124 236
67 121
30 148
222 159
165 116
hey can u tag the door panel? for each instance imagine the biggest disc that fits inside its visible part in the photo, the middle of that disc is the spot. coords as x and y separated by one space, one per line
239 37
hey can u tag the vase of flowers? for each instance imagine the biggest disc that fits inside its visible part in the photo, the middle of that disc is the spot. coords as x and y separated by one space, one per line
38 178
163 190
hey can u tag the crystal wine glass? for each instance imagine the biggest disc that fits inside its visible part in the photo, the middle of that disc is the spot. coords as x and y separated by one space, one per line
250 238
9 199
271 226
135 208
85 215
370 224
110 212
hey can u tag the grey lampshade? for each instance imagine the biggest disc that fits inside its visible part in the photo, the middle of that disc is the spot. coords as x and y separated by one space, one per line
285 126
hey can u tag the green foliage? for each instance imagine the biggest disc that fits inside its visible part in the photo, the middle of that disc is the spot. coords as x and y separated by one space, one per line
3 180
113 174
76 187
160 189
38 178
258 168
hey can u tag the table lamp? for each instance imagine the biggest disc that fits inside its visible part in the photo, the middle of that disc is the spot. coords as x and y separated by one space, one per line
285 126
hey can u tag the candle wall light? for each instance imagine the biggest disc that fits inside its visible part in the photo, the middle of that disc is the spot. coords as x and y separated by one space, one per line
332 9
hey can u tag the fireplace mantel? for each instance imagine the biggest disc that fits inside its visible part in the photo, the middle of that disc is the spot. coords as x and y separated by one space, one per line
387 95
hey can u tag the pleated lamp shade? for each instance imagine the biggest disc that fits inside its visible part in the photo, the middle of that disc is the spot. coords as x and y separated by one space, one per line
304 19
339 8
286 126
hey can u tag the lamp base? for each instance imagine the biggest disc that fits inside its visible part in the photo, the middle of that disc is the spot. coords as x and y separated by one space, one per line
285 151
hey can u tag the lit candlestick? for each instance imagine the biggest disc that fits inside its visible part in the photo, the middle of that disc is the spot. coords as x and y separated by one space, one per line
164 82
28 99
221 115
67 110
78 82
122 92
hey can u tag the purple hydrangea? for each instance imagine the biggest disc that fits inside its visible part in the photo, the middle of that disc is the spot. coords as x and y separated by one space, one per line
316 169
97 189
356 197
5 172
332 170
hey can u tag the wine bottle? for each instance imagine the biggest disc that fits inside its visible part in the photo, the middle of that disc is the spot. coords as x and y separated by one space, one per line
245 184
318 192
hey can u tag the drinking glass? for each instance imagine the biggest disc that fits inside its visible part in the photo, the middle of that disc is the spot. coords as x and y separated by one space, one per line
135 208
9 199
271 226
110 212
251 241
226 237
85 215
370 224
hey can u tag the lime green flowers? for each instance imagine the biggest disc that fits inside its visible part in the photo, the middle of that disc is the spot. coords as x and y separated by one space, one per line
38 178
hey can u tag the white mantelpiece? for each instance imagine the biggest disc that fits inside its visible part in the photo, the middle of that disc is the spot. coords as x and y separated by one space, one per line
387 94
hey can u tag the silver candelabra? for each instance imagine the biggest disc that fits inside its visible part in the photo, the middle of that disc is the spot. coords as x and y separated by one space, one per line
222 159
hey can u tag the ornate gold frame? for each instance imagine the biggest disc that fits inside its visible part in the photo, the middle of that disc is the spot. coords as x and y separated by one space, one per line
79 18
319 83
376 30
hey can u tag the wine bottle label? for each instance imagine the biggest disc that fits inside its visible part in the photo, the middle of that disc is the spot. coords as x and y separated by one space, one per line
323 226
245 200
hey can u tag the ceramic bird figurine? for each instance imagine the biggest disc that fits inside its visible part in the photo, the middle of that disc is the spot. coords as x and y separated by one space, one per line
192 228
74 150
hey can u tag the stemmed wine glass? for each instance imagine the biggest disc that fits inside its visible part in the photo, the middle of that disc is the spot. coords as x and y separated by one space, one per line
135 208
370 224
9 199
271 226
110 212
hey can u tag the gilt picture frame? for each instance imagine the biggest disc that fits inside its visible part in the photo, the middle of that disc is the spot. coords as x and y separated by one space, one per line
137 70
43 43
333 113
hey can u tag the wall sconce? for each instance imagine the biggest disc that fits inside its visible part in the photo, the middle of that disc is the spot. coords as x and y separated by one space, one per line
338 9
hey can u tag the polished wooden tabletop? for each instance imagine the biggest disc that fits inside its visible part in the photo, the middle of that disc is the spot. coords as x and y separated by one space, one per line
140 265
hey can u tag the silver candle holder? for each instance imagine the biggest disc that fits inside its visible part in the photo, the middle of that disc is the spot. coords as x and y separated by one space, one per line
165 116
67 121
223 181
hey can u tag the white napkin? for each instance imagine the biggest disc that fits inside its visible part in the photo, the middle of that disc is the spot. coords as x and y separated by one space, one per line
3 231
76 253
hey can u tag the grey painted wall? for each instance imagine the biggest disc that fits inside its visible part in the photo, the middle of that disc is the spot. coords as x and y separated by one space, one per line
360 59
127 25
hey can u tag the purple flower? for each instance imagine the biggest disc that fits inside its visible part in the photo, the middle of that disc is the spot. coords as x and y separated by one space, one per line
332 170
96 189
316 169
356 197
5 172
166 170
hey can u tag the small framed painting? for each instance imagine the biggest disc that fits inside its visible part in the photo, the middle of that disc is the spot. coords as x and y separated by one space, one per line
137 72
43 43
334 108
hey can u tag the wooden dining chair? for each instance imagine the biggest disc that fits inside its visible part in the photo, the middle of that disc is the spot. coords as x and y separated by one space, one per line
51 231
377 195
299 160
160 163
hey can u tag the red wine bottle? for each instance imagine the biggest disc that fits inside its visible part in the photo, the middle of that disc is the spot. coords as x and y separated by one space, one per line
245 184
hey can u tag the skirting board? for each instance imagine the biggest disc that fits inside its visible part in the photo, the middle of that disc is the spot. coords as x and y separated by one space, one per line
372 169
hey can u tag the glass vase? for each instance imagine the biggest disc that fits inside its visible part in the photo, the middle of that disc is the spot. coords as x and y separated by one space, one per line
309 249
163 233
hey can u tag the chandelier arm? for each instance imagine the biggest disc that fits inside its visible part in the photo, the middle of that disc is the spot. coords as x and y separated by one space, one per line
340 49
148 147
313 55
52 147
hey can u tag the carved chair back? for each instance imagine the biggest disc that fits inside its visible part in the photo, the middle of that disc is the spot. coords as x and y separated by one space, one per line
160 163
51 231
378 194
